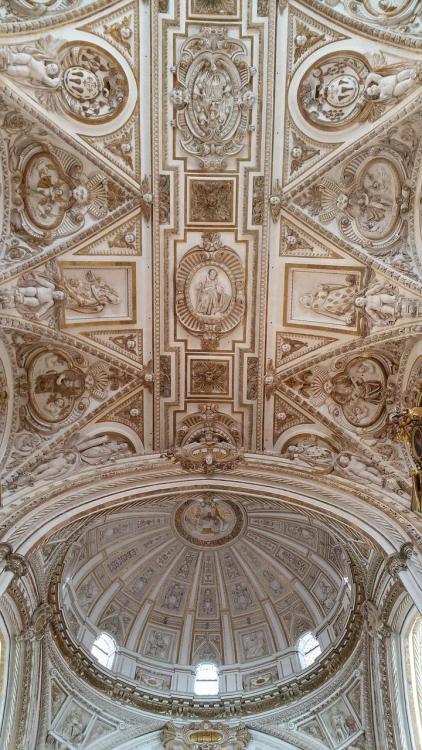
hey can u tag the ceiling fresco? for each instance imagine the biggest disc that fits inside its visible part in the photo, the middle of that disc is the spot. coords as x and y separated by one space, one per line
210 266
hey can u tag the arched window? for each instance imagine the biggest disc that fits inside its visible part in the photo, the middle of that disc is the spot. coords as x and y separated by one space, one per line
415 677
309 649
103 650
206 679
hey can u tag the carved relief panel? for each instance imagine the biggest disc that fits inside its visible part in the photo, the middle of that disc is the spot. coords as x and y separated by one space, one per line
82 80
210 290
213 98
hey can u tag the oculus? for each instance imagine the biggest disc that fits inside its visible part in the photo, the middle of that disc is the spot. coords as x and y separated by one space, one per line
213 98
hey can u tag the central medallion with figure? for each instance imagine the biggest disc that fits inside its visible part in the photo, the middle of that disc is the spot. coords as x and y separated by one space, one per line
209 521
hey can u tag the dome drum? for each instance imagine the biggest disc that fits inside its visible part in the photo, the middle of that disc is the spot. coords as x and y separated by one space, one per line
219 578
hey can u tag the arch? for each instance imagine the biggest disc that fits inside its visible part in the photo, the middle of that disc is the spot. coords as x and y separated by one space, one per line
272 478
4 670
415 677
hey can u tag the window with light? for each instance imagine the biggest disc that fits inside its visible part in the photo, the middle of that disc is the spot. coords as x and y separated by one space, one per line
309 649
206 679
104 649
414 665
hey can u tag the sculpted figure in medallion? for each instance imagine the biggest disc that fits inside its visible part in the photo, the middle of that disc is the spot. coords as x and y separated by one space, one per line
403 15
342 88
211 297
210 290
213 98
80 80
368 202
53 194
59 384
357 389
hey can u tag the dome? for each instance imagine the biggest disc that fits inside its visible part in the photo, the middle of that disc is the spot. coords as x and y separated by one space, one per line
207 578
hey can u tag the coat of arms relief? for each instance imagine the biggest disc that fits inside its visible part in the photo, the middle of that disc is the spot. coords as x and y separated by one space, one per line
213 96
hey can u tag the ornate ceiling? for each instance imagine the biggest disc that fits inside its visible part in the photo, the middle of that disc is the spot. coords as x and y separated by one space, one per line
210 227
232 580
211 304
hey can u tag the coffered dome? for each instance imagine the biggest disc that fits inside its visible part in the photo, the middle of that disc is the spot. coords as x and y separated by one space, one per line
210 577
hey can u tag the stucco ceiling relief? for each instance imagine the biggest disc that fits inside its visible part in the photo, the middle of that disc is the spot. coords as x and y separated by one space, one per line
210 371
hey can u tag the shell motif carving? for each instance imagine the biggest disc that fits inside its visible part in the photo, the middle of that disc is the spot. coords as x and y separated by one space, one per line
213 98
210 298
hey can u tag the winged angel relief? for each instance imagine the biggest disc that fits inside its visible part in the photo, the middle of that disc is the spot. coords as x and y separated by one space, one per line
54 195
213 98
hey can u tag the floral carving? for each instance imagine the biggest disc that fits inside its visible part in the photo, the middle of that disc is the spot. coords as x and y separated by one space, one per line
164 199
210 297
214 7
209 377
212 97
211 201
